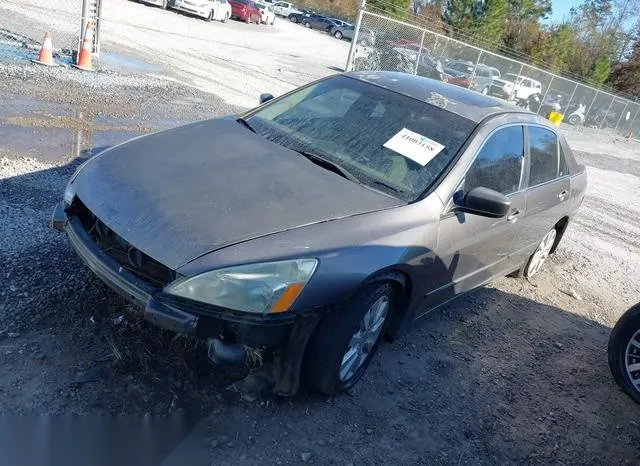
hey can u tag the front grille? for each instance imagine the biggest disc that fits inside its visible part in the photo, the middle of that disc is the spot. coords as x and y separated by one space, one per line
130 258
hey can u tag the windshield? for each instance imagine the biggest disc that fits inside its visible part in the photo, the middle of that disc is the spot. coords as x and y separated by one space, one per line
349 122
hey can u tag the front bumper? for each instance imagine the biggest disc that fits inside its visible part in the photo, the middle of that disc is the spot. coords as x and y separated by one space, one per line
193 9
228 333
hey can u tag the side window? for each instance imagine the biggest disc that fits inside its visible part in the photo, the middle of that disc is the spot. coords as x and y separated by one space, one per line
543 145
498 165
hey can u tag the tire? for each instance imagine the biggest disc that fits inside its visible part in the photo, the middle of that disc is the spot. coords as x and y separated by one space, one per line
540 255
307 25
337 35
248 20
364 42
485 91
293 19
624 352
327 367
574 120
209 18
273 21
226 18
165 4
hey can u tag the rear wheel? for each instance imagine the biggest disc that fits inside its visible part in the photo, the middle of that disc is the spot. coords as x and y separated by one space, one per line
248 20
306 24
540 255
345 341
574 119
210 17
337 35
165 4
293 19
624 352
485 91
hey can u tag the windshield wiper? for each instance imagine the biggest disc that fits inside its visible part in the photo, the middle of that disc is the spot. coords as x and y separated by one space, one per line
319 160
245 123
388 186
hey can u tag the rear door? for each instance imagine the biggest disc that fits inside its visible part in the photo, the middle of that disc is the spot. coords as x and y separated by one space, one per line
548 183
474 248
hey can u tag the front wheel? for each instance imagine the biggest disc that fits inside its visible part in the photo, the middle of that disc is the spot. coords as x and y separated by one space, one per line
248 20
337 35
538 258
624 352
485 91
307 25
209 18
293 19
345 341
165 4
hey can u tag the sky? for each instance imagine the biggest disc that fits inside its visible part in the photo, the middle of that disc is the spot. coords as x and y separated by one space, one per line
561 10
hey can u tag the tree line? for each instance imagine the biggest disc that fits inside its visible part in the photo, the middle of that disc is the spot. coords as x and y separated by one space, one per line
598 42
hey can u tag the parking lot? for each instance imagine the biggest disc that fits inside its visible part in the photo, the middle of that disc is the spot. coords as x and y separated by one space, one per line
515 373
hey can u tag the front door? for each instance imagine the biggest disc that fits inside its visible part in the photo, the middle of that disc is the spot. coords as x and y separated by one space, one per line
473 249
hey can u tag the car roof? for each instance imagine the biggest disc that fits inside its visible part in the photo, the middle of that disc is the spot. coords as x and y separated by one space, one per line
466 103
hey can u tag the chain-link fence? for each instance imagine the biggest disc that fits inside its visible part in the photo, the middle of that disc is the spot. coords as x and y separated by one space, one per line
383 43
23 24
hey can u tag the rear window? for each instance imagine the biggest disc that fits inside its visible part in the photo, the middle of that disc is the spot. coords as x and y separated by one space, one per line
386 140
543 147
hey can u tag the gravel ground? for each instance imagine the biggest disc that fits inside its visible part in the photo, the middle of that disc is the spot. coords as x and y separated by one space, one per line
515 373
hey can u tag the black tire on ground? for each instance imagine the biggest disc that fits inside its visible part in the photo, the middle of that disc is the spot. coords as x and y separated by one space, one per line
619 342
293 19
226 18
337 35
574 119
306 24
273 21
485 91
210 17
248 20
525 271
330 341
165 4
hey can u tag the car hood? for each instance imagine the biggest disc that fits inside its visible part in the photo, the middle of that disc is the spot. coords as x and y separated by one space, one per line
181 193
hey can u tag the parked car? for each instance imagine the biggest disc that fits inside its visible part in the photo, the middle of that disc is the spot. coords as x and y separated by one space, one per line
364 208
164 4
245 10
483 77
285 9
366 37
624 352
339 23
219 10
513 86
299 16
460 73
267 16
317 22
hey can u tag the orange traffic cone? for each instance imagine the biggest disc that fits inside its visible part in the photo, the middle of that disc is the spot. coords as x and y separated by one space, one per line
84 54
46 52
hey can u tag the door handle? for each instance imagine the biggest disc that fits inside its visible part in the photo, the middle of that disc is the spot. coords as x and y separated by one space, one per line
513 216
563 194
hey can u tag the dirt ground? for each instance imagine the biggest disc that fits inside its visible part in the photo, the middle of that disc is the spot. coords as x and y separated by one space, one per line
515 373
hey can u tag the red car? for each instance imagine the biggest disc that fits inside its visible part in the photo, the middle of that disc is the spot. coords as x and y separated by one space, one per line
245 10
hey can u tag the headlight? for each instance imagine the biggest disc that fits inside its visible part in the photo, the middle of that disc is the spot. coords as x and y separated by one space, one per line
264 288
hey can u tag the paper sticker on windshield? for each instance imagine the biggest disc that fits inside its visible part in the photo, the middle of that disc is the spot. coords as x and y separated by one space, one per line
414 146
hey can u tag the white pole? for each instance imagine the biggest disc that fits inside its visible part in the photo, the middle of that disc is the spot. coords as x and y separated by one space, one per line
356 32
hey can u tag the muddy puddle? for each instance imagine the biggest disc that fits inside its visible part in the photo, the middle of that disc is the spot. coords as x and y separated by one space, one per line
59 132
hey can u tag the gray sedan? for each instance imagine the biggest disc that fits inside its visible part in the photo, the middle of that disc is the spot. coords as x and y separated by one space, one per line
305 230
366 37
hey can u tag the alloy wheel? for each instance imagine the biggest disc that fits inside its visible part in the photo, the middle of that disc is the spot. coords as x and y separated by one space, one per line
364 338
632 360
540 256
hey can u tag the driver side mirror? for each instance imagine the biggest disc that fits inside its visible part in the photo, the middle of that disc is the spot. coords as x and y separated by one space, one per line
485 202
265 98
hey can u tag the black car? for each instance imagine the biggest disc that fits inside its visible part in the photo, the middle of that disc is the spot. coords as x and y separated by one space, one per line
319 22
300 15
